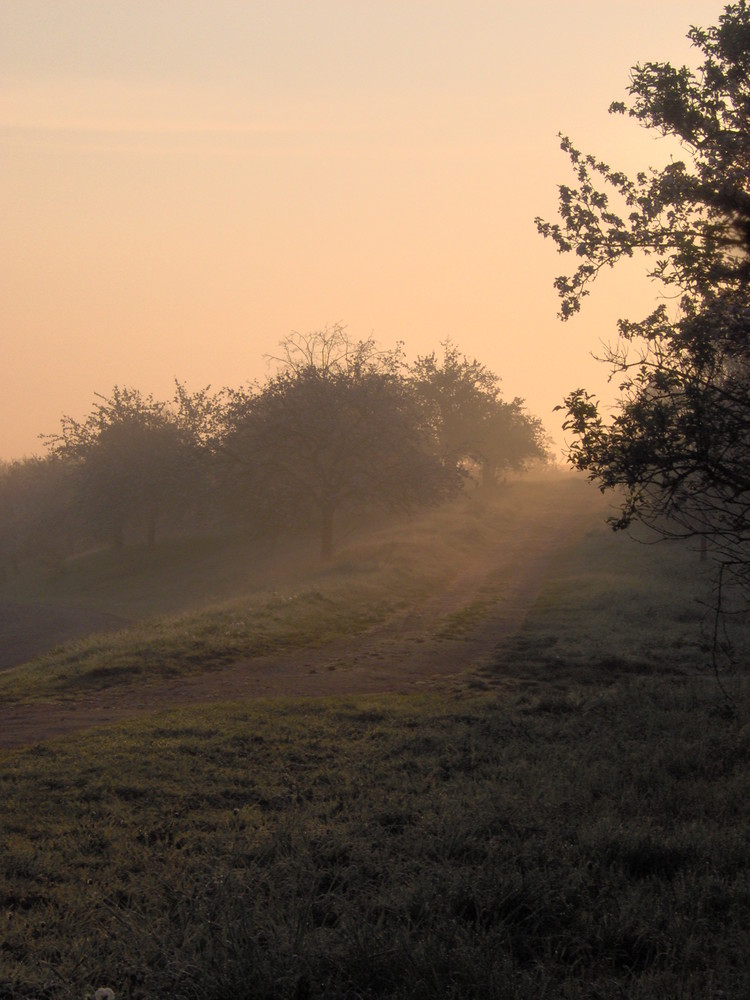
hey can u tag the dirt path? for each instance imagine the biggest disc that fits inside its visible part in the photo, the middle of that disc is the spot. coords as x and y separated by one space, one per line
435 645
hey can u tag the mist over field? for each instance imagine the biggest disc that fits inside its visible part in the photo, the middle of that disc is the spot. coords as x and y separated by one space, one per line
448 729
485 734
362 635
418 550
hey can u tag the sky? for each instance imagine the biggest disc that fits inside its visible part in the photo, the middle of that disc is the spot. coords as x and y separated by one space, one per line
184 183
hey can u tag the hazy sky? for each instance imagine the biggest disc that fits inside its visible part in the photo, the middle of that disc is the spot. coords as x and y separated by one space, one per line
184 183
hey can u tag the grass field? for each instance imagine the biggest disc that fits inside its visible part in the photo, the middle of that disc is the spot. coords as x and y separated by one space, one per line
270 604
612 605
200 641
574 823
186 574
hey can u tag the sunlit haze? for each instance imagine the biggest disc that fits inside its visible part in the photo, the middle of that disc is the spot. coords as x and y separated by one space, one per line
184 183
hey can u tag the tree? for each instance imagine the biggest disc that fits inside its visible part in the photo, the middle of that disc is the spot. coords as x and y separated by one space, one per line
512 440
131 460
678 444
471 425
35 513
334 429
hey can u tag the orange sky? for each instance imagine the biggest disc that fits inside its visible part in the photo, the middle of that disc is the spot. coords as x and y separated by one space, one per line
183 183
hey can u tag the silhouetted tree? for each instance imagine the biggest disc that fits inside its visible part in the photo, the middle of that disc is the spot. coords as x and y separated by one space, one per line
471 425
36 522
678 445
336 428
132 463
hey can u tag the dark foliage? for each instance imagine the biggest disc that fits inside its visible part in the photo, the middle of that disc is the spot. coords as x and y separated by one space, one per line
336 428
341 428
132 463
679 443
472 427
36 522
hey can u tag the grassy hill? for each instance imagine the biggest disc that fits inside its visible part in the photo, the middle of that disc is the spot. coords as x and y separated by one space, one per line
196 608
186 573
572 822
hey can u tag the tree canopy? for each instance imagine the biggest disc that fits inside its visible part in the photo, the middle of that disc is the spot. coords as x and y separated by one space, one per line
130 461
340 427
335 427
36 520
470 423
678 443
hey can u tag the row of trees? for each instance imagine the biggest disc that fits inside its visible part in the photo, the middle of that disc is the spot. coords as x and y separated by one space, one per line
340 427
677 444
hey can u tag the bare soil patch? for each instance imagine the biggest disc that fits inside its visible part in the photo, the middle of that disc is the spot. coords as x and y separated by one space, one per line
439 644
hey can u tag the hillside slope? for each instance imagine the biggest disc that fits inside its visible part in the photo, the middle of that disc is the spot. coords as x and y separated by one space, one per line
479 568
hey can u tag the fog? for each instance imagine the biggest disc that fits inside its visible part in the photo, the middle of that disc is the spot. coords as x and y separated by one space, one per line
436 559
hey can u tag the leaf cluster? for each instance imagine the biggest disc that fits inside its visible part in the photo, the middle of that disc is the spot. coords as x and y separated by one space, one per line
678 444
691 219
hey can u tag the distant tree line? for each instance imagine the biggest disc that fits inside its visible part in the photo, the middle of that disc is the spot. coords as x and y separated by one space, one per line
340 428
